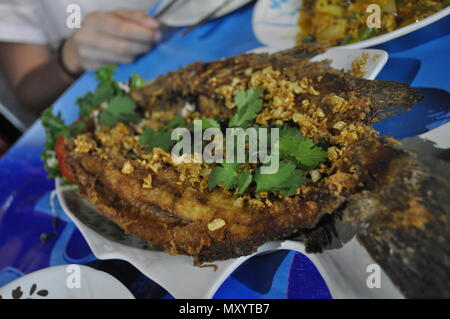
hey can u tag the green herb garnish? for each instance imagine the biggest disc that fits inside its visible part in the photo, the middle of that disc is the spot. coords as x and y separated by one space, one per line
137 82
106 89
120 109
209 123
225 174
248 105
156 139
285 180
294 146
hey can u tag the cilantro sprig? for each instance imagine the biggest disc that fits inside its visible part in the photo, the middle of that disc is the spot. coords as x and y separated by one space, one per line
227 175
161 138
297 154
248 105
294 146
151 139
285 180
106 89
210 123
120 109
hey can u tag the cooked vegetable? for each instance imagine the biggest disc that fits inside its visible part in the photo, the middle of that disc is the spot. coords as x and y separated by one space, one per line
390 7
333 7
61 155
335 31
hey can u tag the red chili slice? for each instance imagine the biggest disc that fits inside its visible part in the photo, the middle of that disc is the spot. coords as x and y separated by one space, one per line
61 155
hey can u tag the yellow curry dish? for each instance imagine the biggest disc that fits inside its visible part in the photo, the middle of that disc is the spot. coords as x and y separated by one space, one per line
341 22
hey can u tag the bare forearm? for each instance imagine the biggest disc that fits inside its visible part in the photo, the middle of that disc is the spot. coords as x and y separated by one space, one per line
34 73
43 85
39 77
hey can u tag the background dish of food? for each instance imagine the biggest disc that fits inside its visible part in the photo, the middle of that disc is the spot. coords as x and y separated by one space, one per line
342 22
275 23
178 275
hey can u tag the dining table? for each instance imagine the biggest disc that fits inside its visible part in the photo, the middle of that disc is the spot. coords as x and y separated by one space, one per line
35 232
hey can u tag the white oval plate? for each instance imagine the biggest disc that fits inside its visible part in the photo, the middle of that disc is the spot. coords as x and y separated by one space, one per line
62 282
190 12
275 24
344 270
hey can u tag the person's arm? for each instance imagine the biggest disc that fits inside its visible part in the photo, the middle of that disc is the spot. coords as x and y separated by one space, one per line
36 74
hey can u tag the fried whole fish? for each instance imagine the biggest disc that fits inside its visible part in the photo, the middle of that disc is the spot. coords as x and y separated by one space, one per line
178 215
168 205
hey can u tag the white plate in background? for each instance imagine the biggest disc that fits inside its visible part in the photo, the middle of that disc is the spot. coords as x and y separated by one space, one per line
59 283
344 270
190 12
275 24
342 59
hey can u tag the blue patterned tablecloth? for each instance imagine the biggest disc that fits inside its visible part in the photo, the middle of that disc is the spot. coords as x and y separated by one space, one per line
27 218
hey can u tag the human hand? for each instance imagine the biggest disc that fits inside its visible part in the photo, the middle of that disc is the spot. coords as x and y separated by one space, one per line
108 38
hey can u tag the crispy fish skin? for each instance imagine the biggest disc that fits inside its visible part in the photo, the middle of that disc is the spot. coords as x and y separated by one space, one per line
195 81
176 217
403 218
200 84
